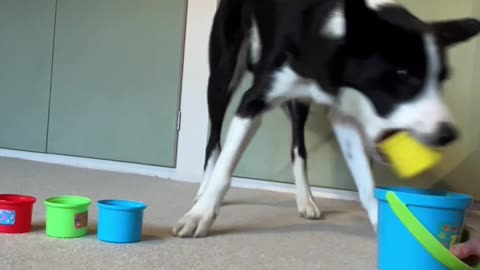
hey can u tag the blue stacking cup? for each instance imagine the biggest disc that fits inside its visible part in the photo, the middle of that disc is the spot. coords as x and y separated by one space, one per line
120 221
416 228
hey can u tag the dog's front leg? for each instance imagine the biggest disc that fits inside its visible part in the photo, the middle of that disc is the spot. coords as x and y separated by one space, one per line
198 220
354 153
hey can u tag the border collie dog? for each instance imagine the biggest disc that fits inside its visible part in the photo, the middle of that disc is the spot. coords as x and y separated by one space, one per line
372 63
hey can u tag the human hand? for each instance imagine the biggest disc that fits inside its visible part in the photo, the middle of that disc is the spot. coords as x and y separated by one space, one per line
469 252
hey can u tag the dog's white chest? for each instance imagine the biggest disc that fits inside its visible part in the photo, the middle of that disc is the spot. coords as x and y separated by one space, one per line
287 85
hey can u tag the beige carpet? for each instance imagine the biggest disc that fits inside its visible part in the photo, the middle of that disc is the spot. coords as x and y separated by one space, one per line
255 230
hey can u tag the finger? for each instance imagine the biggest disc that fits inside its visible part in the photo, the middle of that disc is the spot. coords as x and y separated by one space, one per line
467 249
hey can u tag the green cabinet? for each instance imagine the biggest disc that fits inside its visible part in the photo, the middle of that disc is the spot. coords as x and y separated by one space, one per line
116 79
26 41
92 78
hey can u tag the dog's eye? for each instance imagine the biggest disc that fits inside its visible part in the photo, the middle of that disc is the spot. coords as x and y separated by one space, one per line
404 76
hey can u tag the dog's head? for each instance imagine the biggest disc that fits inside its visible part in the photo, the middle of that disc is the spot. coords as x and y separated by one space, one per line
394 69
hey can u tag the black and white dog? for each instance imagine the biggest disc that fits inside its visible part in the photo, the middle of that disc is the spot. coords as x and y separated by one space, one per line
378 68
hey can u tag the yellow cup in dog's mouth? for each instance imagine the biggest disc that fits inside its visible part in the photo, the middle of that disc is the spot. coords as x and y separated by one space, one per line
408 157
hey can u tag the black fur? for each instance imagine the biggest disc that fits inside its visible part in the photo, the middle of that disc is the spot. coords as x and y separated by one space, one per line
299 115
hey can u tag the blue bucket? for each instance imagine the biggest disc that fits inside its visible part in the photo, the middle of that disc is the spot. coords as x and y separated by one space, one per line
417 227
120 221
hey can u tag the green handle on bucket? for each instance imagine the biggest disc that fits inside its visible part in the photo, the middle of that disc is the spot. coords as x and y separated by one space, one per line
424 237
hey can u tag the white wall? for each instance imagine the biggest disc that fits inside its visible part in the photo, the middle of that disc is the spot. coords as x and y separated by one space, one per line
194 117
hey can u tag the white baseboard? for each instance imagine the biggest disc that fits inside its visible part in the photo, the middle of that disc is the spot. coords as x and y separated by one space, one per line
290 188
166 173
88 163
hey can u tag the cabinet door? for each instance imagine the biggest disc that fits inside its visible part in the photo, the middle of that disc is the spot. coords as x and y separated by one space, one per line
116 79
26 41
268 156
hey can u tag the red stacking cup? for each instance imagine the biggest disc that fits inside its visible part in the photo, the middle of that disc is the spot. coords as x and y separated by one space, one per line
16 213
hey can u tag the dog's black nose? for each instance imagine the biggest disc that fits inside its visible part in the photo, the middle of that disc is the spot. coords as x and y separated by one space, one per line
446 134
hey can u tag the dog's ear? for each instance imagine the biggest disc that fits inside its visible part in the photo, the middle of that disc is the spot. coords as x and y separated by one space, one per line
451 32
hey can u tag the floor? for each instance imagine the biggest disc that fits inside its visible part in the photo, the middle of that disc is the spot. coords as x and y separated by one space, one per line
255 229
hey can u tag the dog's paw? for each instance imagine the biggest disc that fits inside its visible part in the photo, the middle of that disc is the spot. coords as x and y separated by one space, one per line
309 209
194 225
373 213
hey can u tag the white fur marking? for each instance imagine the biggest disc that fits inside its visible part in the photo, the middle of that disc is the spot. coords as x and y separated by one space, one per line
377 4
335 27
433 65
199 219
287 85
255 44
353 103
208 171
306 204
350 141
299 169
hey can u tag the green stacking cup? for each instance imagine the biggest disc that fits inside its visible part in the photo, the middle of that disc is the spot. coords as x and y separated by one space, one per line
67 216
